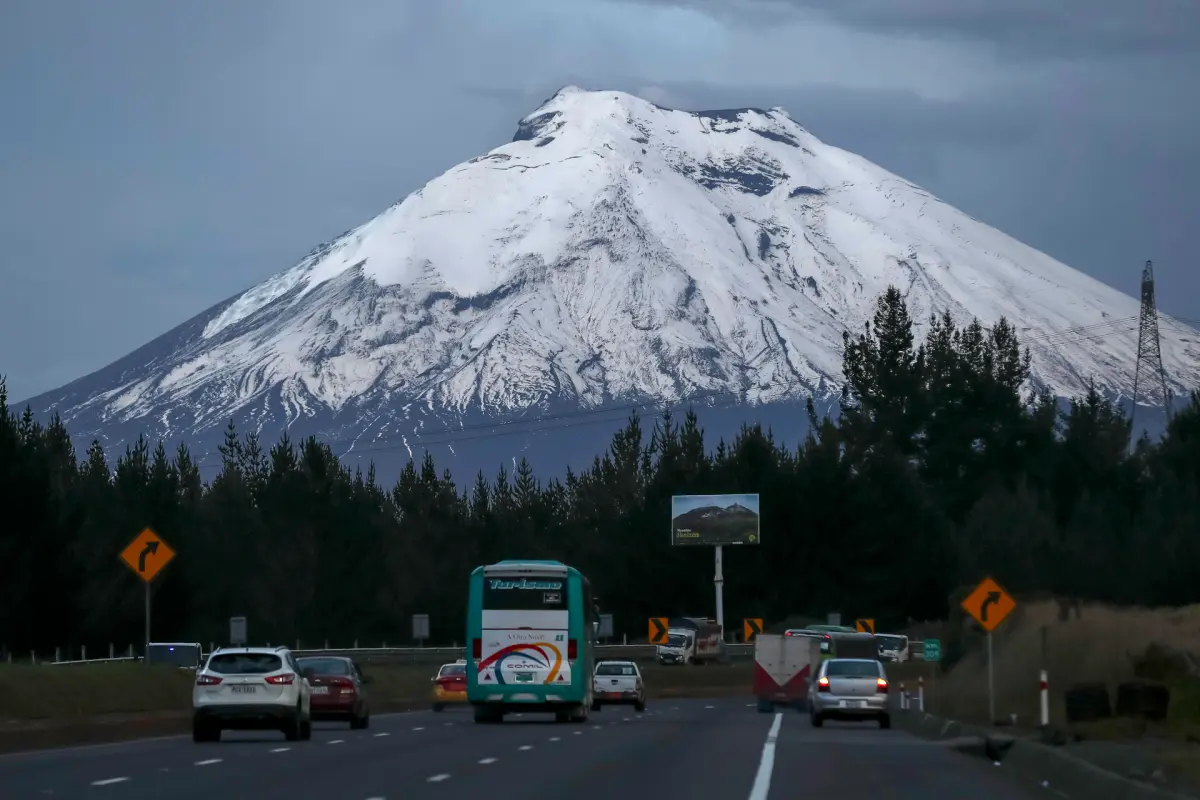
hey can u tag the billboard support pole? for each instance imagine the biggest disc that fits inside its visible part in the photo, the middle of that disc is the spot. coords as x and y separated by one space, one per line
719 582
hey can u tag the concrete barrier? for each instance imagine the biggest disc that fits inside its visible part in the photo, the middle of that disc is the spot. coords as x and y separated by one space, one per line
1044 765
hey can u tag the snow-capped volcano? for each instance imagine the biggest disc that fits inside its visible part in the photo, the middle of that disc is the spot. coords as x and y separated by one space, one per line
614 249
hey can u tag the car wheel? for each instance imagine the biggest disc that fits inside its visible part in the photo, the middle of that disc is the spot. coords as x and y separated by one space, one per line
305 729
438 706
817 721
885 721
639 707
291 727
366 721
595 705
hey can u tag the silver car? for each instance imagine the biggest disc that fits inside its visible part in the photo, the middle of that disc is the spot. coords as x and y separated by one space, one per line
850 689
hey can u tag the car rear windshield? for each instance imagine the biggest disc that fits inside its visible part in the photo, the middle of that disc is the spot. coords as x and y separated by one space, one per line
325 666
615 669
525 594
852 669
452 671
245 663
889 642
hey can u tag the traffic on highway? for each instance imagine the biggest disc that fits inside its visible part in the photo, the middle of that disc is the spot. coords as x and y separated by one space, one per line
266 723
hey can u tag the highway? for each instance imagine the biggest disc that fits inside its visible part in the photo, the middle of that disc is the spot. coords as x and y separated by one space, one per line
719 748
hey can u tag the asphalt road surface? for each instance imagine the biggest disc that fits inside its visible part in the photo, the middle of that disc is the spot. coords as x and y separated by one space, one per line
721 749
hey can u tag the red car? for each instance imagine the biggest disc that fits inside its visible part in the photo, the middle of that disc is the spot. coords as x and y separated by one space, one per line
339 689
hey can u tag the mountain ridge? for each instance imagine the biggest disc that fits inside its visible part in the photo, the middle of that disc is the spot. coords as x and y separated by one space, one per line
614 251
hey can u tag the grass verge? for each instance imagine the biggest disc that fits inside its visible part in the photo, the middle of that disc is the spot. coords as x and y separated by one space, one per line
52 706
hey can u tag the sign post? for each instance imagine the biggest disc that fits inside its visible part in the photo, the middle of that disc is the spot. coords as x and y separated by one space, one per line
715 520
237 631
989 605
932 652
420 625
658 630
146 555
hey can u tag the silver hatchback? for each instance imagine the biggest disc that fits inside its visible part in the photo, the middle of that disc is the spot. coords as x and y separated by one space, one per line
850 689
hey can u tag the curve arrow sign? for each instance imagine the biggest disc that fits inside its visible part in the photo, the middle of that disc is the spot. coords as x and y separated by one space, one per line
992 599
150 549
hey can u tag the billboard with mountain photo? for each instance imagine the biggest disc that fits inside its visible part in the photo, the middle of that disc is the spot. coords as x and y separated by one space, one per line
712 519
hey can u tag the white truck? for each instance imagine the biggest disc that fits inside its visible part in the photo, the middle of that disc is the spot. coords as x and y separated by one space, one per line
783 669
691 640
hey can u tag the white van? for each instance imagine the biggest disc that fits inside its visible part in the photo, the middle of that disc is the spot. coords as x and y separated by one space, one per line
892 647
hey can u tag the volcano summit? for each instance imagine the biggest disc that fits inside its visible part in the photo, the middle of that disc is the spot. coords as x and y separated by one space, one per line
615 252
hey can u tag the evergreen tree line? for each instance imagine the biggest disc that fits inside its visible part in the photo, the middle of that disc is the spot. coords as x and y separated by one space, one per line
938 471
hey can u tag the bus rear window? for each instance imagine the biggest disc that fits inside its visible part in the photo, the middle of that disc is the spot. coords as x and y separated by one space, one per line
525 594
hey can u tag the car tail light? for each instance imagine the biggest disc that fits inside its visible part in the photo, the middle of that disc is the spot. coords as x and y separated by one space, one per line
477 648
823 684
207 680
787 633
882 685
281 680
572 650
344 682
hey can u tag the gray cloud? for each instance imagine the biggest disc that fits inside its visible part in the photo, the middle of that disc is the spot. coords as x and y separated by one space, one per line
158 158
1057 28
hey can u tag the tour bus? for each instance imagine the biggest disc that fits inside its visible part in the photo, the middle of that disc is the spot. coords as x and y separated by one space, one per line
531 633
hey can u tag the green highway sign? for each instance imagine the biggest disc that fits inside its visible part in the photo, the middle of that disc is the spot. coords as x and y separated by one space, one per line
933 650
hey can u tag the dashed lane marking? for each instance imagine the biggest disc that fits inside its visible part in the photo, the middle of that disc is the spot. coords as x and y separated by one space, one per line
555 739
437 778
525 747
487 761
336 741
381 734
281 749
208 761
109 781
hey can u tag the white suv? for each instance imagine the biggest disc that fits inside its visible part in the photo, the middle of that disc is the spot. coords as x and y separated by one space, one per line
251 688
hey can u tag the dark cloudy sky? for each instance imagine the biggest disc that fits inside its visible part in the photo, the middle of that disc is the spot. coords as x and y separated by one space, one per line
157 157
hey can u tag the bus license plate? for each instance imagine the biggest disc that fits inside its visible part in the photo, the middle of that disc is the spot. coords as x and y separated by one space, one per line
525 677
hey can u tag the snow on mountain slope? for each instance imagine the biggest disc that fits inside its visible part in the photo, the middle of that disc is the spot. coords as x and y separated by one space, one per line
614 249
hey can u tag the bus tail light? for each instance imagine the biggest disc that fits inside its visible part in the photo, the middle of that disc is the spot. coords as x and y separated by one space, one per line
572 650
477 649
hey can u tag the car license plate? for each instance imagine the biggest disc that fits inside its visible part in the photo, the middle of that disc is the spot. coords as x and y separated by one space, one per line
525 677
320 690
854 704
244 689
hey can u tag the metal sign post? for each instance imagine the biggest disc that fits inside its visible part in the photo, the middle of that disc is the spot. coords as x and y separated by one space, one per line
146 555
237 631
420 628
715 520
719 582
989 604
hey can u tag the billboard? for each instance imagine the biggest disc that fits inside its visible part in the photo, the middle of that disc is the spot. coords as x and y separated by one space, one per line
712 519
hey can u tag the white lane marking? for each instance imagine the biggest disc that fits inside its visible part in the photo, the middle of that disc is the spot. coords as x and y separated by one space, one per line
281 749
710 706
577 733
376 798
487 761
525 747
447 724
381 734
336 741
437 778
594 727
108 781
208 761
418 729
624 719
556 739
762 780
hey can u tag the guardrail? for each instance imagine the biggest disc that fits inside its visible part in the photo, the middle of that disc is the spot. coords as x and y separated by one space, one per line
428 655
